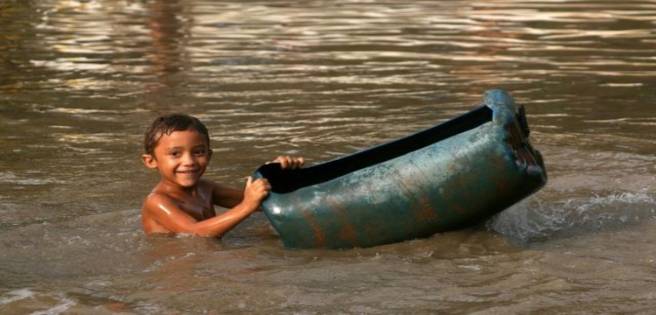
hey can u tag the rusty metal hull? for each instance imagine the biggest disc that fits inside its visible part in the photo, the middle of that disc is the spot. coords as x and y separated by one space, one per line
447 177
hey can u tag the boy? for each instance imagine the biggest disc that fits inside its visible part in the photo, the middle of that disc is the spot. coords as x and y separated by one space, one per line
178 147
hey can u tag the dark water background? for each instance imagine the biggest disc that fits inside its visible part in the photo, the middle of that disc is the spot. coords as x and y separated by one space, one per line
81 80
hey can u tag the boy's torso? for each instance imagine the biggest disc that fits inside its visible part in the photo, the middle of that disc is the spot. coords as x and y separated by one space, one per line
199 206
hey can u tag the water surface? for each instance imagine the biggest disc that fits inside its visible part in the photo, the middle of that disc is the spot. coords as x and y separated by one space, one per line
81 80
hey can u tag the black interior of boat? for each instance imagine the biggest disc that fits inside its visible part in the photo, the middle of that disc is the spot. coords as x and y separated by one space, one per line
283 181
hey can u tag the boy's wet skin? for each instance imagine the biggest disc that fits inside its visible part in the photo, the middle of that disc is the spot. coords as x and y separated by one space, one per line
177 146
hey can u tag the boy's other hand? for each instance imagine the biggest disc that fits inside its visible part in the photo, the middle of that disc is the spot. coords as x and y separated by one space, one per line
289 162
256 190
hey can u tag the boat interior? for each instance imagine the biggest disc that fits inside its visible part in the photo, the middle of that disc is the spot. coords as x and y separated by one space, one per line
284 181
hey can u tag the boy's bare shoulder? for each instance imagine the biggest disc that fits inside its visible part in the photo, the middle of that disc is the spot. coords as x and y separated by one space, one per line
156 198
157 207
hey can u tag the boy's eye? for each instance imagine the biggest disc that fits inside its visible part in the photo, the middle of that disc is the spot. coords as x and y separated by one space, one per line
199 152
175 153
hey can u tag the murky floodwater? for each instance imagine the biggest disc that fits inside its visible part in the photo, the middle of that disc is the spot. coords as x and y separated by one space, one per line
81 80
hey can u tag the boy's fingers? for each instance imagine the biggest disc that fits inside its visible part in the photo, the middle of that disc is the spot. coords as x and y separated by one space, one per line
299 162
266 183
261 182
294 163
288 162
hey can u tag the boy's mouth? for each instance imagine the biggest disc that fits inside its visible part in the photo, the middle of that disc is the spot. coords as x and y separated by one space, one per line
187 172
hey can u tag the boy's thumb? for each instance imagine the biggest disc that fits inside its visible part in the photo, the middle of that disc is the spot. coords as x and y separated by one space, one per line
249 180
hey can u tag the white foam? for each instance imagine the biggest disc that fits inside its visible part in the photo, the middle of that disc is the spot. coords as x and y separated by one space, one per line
65 304
25 293
16 295
626 197
532 220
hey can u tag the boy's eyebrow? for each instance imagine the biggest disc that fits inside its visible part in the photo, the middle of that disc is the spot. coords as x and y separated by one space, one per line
181 147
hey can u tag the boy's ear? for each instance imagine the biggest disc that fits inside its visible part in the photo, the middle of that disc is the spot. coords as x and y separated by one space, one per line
149 160
209 153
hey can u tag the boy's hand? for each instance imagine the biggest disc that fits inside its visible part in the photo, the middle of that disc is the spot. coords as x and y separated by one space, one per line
289 162
256 190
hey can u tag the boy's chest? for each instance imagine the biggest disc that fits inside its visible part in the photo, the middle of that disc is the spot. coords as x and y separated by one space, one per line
200 208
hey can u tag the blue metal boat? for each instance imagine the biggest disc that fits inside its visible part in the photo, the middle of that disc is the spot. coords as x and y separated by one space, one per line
453 175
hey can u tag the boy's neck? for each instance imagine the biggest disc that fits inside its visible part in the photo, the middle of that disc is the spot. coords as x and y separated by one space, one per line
173 188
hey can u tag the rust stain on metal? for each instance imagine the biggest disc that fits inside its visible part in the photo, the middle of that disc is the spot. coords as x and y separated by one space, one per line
502 186
426 211
370 230
517 142
347 231
319 235
460 209
422 209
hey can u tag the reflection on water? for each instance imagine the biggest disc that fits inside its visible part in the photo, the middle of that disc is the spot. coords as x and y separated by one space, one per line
82 79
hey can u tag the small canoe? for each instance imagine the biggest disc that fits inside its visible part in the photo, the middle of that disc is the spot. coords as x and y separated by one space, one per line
453 175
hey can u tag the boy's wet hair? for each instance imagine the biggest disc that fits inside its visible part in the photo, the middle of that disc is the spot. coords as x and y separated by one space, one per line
166 124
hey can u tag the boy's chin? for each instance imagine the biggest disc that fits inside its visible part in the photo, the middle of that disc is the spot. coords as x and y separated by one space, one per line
187 183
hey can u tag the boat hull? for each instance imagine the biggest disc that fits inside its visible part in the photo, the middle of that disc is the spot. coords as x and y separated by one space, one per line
449 184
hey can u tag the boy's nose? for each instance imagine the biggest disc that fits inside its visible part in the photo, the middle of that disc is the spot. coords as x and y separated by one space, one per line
188 159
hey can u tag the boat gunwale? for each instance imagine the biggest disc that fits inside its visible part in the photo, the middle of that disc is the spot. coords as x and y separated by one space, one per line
287 181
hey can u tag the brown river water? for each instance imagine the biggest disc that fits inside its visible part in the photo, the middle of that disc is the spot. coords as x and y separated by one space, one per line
81 80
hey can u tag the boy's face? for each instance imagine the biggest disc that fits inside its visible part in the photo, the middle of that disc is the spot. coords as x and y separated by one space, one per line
180 157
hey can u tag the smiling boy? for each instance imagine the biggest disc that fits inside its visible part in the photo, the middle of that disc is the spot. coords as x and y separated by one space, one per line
178 147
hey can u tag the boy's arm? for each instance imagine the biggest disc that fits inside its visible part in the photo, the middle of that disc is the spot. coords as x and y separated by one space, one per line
228 197
165 212
225 196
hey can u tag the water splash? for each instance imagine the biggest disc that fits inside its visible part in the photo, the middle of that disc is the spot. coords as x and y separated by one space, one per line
16 295
26 295
63 305
533 220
